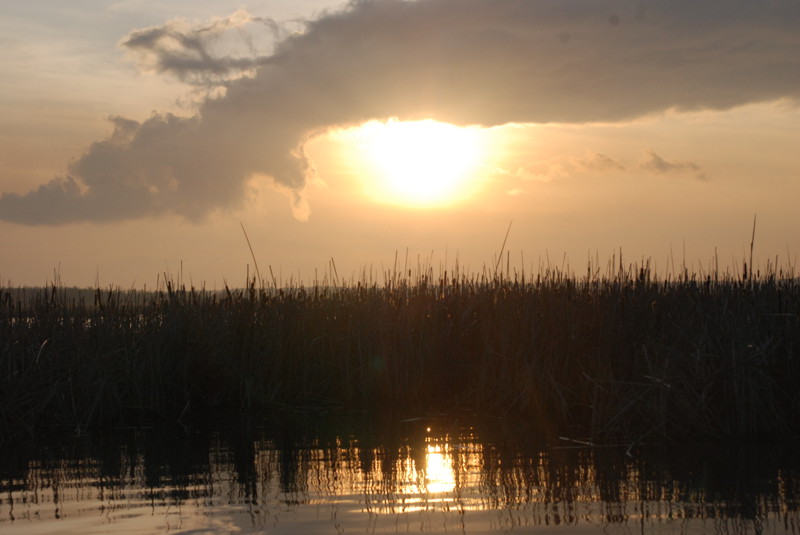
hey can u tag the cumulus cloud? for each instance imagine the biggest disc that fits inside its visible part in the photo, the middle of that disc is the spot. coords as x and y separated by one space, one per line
466 62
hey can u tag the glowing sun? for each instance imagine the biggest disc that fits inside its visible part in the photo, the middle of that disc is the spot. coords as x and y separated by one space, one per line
419 163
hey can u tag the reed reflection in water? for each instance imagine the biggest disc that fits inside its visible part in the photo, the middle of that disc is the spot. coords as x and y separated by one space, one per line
422 475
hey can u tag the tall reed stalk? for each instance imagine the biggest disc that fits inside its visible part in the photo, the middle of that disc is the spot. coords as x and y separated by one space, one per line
600 356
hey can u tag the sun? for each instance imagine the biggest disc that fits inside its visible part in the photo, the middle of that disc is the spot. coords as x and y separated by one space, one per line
419 163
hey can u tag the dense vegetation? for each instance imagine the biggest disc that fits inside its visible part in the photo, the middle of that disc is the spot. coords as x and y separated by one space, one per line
620 355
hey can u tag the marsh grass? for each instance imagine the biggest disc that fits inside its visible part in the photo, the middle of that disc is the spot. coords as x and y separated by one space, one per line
599 356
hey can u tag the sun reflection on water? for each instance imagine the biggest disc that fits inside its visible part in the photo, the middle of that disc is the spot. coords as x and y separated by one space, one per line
438 472
424 480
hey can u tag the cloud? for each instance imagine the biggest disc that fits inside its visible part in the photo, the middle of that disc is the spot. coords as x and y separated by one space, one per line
597 161
465 62
559 167
223 48
657 164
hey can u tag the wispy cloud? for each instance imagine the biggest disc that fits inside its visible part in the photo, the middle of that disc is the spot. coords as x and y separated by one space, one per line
559 167
207 53
597 161
478 62
657 164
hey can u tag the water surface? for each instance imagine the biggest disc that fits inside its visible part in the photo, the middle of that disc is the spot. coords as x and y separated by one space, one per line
423 475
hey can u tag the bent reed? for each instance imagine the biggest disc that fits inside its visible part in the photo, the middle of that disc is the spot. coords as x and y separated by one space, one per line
621 355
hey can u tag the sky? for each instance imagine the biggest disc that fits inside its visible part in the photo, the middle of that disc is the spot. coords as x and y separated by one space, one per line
139 138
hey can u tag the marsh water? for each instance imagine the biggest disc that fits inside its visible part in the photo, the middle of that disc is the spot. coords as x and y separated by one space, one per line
315 475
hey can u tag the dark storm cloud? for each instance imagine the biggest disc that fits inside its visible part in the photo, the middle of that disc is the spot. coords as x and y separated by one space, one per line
485 62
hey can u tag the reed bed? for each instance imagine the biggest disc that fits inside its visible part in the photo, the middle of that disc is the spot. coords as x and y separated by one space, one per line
602 357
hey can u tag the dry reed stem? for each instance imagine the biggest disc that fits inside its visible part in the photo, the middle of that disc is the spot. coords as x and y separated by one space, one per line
622 355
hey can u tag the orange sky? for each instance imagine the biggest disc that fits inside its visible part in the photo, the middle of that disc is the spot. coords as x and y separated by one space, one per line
136 138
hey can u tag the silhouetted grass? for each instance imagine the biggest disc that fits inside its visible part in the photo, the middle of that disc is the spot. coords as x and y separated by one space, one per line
617 355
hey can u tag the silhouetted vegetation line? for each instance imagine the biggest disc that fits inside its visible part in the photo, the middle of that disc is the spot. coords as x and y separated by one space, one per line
620 355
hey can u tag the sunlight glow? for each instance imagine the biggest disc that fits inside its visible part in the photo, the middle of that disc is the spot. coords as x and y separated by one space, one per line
439 476
420 163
